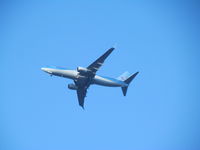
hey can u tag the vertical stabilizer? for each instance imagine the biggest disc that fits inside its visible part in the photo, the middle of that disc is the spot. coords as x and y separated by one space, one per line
124 76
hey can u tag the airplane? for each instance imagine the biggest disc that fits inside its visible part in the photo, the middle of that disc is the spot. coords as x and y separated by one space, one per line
84 77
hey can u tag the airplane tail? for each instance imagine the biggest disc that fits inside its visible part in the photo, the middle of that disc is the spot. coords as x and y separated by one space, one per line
124 76
127 80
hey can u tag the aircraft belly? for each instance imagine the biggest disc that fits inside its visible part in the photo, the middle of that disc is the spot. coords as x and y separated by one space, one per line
70 74
65 73
105 82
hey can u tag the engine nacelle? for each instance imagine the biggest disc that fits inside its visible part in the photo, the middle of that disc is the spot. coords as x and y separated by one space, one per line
83 70
72 87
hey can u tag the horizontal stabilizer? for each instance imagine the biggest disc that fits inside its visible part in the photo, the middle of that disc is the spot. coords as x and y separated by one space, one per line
128 81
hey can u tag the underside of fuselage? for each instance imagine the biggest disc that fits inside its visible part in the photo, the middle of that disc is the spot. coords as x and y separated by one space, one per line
106 81
74 75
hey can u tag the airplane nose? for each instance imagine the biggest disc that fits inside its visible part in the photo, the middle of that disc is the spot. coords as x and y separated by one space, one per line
47 70
43 69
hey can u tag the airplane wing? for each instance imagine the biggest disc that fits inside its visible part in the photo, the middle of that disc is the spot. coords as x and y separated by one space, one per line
81 93
94 67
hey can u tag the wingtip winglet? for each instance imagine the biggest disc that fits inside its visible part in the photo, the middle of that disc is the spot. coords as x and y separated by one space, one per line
115 45
111 49
82 107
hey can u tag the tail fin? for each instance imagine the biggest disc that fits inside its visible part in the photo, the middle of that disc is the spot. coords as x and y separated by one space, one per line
128 81
124 76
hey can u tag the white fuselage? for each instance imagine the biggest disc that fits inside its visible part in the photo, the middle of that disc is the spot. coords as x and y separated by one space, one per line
73 74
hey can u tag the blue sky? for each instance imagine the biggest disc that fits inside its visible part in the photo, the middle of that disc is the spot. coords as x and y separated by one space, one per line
158 39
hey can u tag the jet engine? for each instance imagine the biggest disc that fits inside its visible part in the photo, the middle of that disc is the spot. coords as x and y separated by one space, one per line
81 69
72 87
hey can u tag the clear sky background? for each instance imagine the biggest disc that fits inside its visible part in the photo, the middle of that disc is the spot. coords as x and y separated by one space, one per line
159 39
